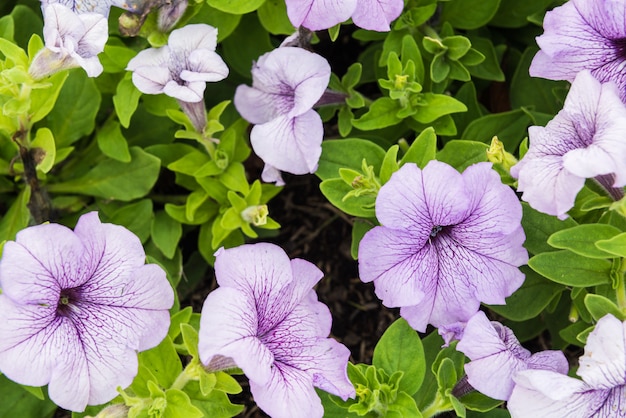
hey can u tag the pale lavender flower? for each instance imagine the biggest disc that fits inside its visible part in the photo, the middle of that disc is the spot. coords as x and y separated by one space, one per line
586 139
286 83
322 14
584 35
266 317
98 6
71 40
181 69
601 393
76 306
448 241
496 356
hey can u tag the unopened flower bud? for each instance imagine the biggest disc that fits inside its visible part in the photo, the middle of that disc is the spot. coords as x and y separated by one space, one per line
169 14
498 155
256 215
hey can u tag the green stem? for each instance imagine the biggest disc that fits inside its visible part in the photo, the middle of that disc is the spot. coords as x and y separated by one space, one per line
438 406
183 378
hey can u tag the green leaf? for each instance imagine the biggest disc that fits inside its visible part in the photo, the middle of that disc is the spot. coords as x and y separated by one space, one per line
181 317
515 13
166 233
336 189
190 163
179 405
489 68
15 401
112 143
543 95
16 218
382 113
45 142
469 14
163 362
137 217
273 17
111 179
390 164
510 128
422 150
115 58
600 306
126 99
348 153
461 154
190 339
7 27
27 22
225 23
438 105
42 101
581 239
400 349
539 227
246 44
238 7
571 269
615 245
74 113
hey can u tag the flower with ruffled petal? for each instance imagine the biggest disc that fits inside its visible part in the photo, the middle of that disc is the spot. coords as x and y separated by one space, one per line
448 242
322 14
584 35
71 40
76 306
496 356
586 139
265 316
601 392
286 83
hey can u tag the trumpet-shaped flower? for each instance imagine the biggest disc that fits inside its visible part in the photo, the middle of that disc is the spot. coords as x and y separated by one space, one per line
76 306
586 139
448 241
600 393
584 35
101 7
322 14
286 83
497 356
266 317
181 68
71 40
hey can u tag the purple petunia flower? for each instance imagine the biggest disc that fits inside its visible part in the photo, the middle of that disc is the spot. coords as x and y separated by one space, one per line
76 306
600 393
448 241
286 83
497 356
266 317
322 14
101 7
586 139
71 40
584 35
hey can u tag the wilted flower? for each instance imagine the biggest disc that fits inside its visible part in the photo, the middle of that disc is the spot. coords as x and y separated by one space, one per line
586 139
323 14
584 35
266 317
71 40
286 83
448 241
181 69
496 356
76 307
600 393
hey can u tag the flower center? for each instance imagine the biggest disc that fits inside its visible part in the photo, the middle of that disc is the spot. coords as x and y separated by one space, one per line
620 47
67 299
436 229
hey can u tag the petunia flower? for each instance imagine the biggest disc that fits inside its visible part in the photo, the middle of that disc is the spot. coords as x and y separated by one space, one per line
586 139
76 306
600 393
181 69
286 83
266 317
583 35
496 356
71 40
448 242
322 14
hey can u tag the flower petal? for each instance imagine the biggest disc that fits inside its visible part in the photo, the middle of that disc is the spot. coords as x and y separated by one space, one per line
204 65
377 14
193 37
319 14
603 366
290 144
